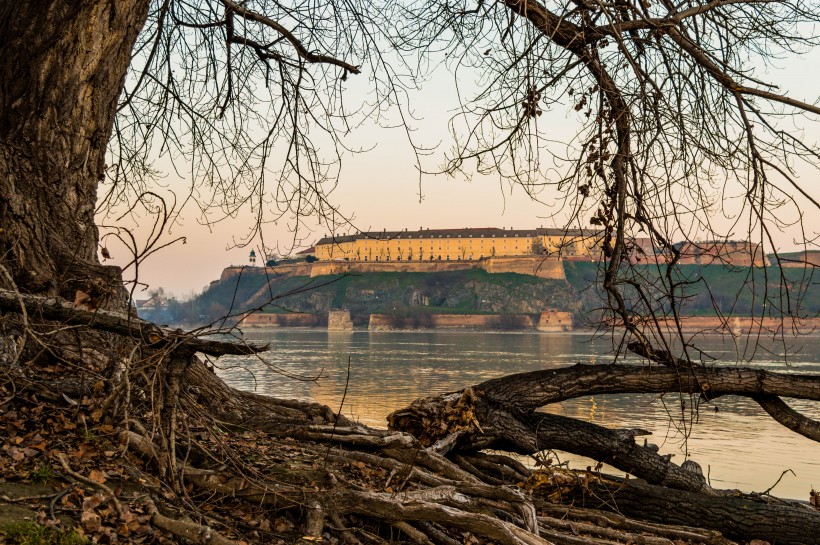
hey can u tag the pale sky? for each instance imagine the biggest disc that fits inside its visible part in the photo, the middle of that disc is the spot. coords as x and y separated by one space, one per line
380 189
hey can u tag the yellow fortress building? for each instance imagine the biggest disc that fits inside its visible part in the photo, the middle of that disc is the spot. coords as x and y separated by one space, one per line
458 244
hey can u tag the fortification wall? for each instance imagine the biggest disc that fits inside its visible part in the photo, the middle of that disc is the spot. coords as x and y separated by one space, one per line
744 325
542 267
339 320
806 260
550 268
386 322
287 269
548 321
555 320
294 319
228 273
338 267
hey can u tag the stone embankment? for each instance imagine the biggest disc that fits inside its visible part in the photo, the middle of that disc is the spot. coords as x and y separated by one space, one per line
387 322
555 321
295 319
549 321
339 320
745 325
540 267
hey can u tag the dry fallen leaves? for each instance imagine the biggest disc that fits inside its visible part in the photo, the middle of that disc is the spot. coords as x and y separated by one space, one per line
97 476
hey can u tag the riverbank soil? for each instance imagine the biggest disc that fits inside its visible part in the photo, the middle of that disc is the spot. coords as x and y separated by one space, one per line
157 449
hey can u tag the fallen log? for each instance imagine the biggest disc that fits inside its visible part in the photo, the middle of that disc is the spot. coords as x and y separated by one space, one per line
500 413
528 391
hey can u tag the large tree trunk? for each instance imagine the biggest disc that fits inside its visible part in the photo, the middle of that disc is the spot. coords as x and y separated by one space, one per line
64 66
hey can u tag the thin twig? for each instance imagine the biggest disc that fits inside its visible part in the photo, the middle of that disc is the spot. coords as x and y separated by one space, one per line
89 482
341 406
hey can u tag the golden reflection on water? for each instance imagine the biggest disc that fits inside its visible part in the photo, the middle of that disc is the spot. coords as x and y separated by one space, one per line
738 447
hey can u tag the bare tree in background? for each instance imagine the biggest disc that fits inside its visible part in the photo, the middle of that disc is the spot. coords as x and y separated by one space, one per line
679 139
248 98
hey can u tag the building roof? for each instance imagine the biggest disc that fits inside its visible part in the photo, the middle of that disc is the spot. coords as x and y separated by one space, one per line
476 232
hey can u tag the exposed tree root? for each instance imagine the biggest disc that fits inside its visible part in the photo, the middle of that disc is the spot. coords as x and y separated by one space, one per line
737 517
189 531
300 472
60 310
787 416
602 521
500 413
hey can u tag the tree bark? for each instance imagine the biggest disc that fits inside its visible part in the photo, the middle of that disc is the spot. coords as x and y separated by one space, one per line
64 67
736 517
528 391
500 413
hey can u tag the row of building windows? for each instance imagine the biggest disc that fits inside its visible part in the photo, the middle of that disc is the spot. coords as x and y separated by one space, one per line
376 245
410 258
571 244
421 246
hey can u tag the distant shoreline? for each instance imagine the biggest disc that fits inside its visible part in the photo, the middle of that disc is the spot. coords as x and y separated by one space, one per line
522 322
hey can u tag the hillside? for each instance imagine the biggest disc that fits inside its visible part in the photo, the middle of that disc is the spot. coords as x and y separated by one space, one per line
731 290
705 289
471 291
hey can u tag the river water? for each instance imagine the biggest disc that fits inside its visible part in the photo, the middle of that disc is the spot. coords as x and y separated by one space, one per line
739 446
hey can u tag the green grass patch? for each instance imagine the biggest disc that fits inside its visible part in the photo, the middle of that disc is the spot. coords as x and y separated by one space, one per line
386 286
739 291
26 532
42 474
377 280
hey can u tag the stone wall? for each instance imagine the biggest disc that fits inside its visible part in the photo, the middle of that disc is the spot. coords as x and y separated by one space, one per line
550 268
555 320
743 325
548 321
228 273
807 259
542 267
295 319
321 268
289 269
387 322
339 320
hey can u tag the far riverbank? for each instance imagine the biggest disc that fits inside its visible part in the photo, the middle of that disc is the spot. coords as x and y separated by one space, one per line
549 321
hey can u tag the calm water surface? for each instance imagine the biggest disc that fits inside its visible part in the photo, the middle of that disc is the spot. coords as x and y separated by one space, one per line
739 446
